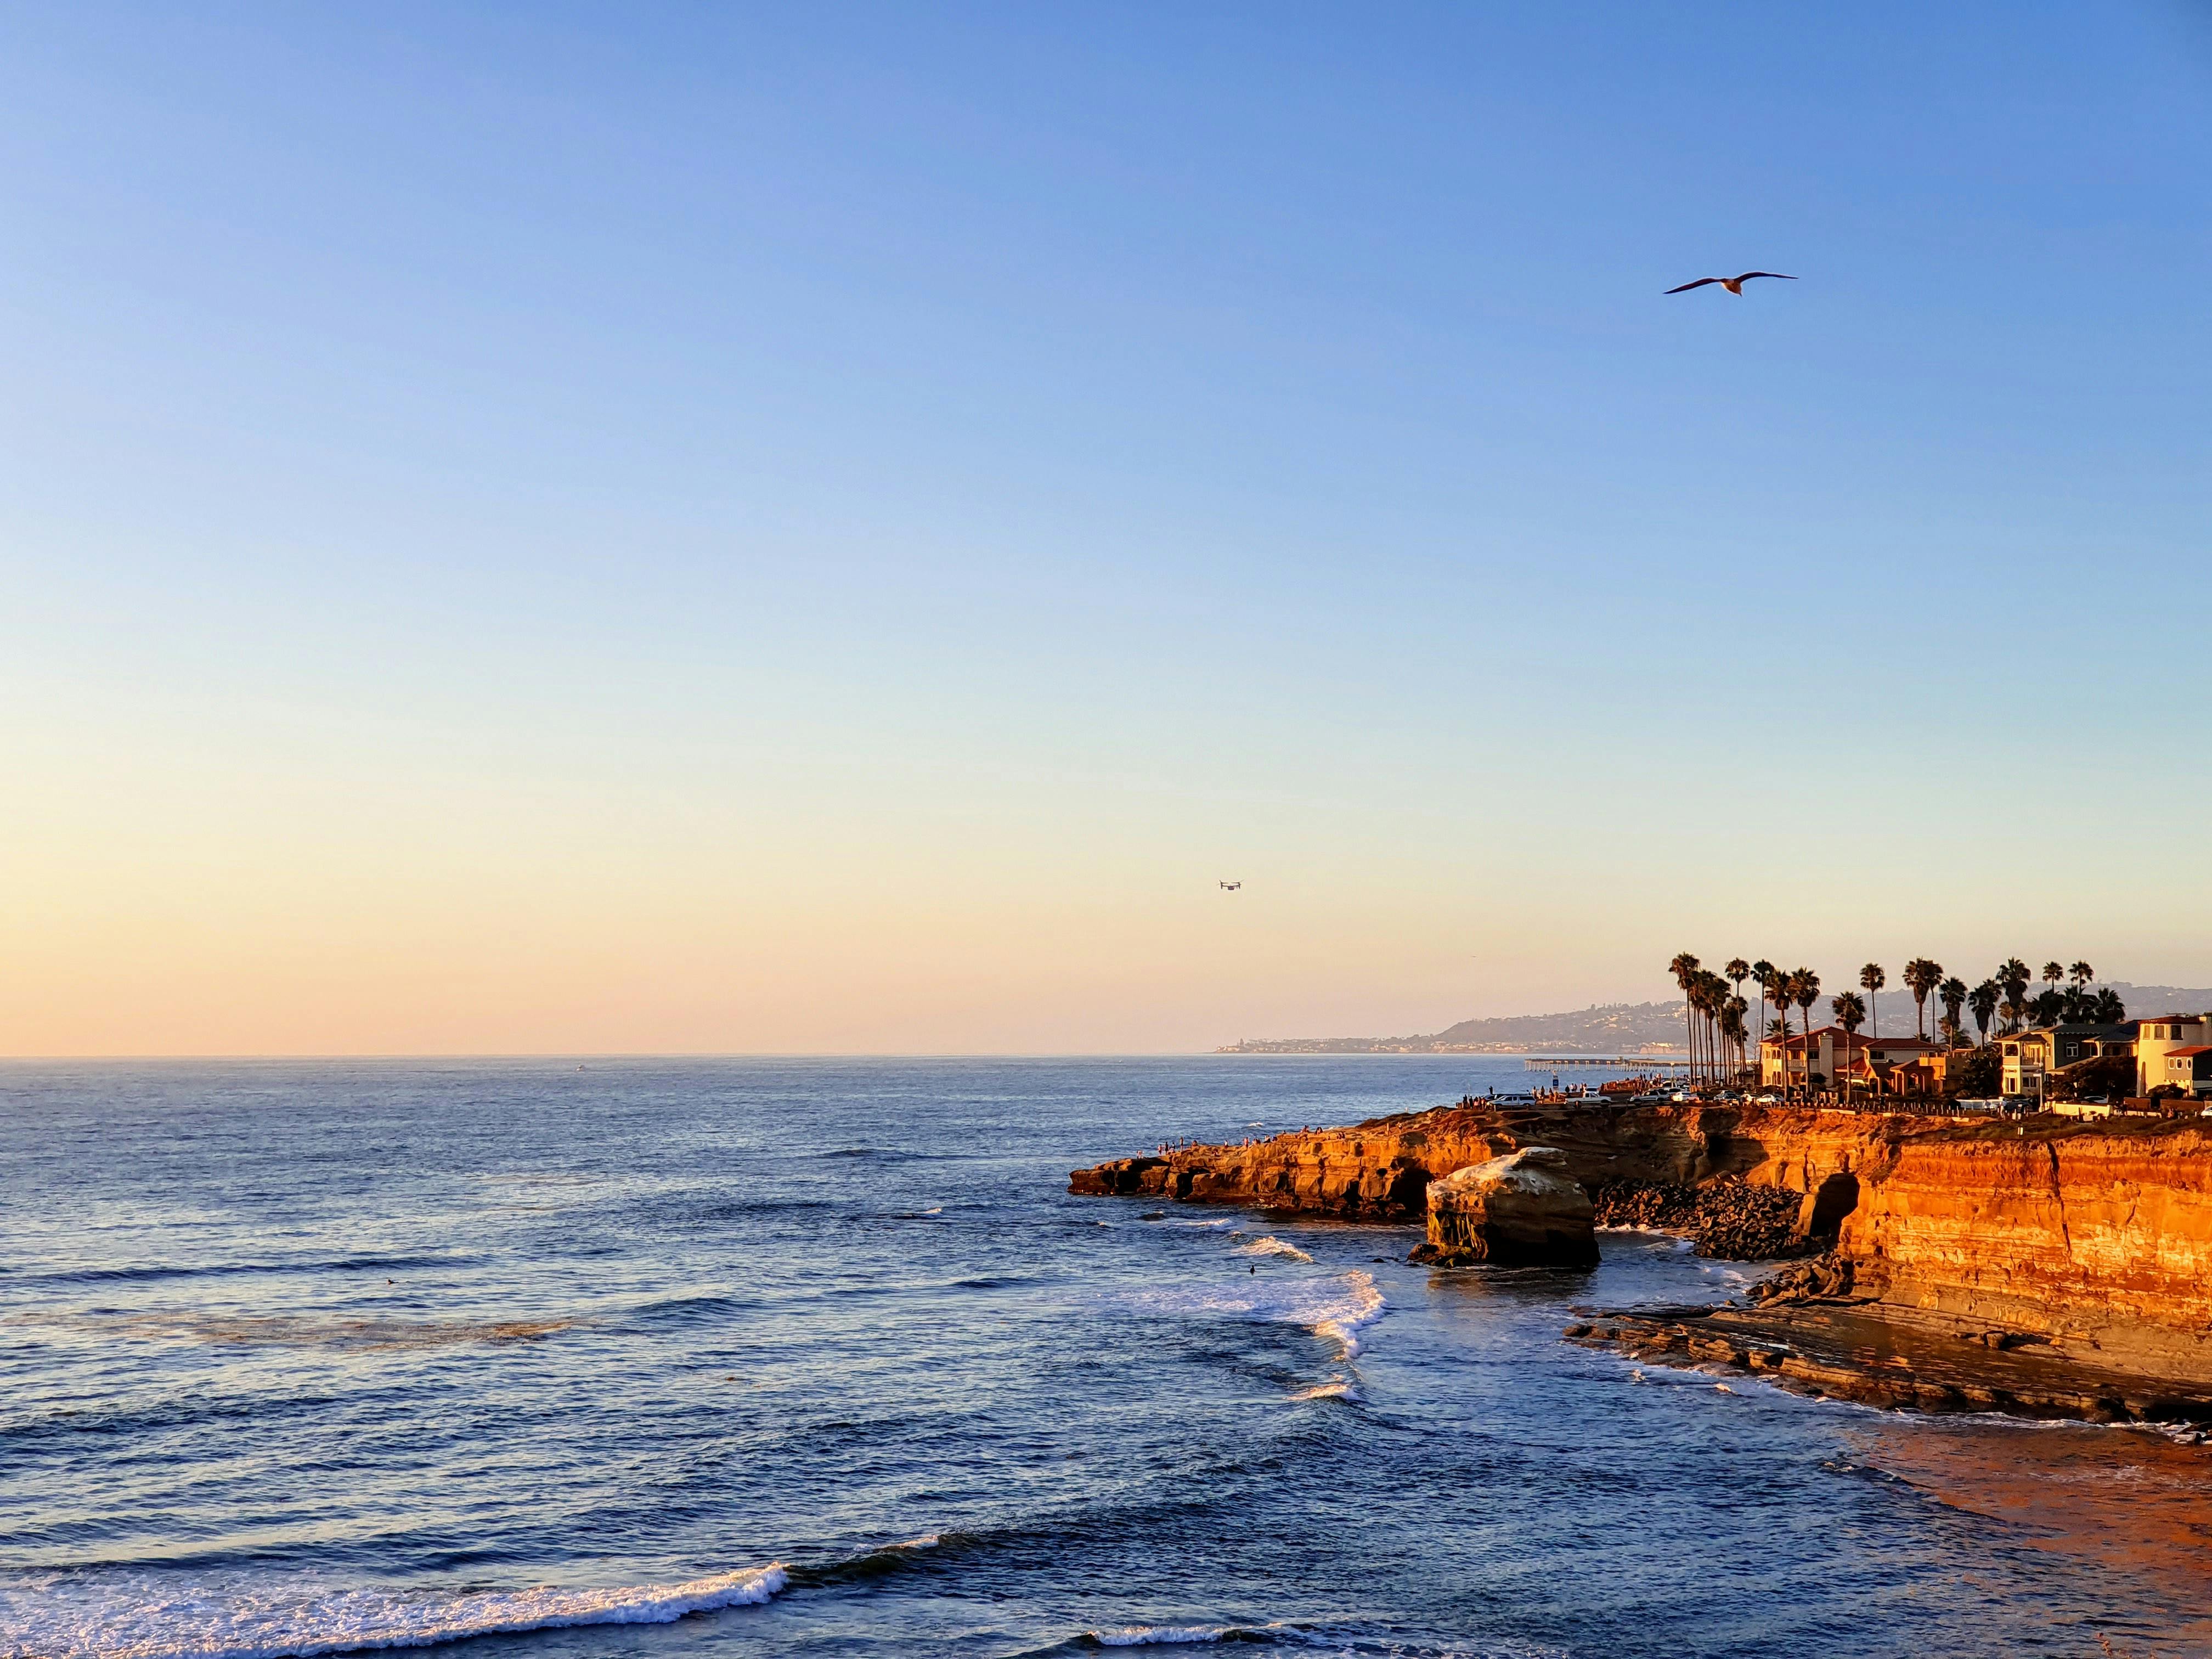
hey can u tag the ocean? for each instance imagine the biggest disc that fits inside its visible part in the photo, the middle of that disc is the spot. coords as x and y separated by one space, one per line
801 1357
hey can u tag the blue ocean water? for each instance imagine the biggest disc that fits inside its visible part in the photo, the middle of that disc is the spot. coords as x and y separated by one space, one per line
811 1357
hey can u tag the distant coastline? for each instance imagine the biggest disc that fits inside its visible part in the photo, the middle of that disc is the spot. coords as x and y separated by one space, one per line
1652 1029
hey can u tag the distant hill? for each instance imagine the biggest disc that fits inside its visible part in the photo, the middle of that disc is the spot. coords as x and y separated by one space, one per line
1625 1028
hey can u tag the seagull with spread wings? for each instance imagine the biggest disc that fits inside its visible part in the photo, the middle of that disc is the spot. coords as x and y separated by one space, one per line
1733 284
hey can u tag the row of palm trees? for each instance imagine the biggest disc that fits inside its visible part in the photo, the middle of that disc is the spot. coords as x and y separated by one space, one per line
1714 1005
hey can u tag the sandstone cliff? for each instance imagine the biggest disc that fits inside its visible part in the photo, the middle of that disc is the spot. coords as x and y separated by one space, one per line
2096 1236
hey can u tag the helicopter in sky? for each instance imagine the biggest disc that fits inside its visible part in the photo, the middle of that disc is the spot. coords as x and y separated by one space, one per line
1231 886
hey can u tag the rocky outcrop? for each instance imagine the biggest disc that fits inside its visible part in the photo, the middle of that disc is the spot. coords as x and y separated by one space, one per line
1890 1357
2094 1237
1380 1169
1522 1209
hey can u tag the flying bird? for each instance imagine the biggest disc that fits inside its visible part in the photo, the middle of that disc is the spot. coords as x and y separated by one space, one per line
1733 284
1231 886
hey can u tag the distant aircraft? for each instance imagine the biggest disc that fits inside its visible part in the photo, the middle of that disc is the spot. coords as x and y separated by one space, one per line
1231 886
1733 284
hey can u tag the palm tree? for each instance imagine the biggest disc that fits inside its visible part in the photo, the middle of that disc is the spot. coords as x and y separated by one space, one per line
2014 979
2081 974
1953 994
2012 1013
1737 971
1983 999
1851 1011
1701 1004
1716 1002
1683 967
1805 991
1922 977
1733 1028
1872 979
2053 972
1763 971
1775 988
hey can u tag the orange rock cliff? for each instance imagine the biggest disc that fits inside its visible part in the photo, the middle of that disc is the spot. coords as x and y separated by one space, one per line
2098 1236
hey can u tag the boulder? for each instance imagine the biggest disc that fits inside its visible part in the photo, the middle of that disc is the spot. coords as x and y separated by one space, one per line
1523 1210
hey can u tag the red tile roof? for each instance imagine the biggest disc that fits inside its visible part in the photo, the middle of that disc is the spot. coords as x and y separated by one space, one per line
2194 1048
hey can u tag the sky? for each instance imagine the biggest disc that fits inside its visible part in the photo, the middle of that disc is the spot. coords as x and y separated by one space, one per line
832 529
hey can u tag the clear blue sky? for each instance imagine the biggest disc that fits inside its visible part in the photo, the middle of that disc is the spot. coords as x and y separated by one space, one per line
688 527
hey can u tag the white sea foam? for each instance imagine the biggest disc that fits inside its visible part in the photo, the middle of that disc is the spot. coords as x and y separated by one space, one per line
1339 1389
1337 1308
1267 1244
66 1617
1144 1636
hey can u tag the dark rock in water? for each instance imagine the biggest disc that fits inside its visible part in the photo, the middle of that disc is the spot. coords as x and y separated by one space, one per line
1522 1209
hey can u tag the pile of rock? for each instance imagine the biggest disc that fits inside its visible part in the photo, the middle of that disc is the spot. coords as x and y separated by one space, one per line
1729 1218
1824 1276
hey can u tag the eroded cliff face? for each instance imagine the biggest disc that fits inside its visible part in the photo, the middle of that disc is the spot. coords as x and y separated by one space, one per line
2099 1237
1380 1169
2100 1241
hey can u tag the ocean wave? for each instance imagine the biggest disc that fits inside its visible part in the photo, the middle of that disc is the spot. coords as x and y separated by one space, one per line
350 1264
1338 1308
1267 1244
1146 1636
1338 1389
872 1563
276 1330
70 1618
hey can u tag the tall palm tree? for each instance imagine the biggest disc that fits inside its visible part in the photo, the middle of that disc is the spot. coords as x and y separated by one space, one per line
1951 993
2081 974
1763 971
1983 999
1737 971
1716 1001
2012 1013
1733 1027
1683 967
1851 1011
1805 991
1922 977
2014 979
1775 988
2052 973
1871 979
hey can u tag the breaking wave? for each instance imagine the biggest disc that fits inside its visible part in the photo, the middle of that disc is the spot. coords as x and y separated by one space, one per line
1144 1636
1268 1245
62 1618
1337 1308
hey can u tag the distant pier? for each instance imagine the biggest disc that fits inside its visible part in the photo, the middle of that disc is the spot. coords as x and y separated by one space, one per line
1616 1062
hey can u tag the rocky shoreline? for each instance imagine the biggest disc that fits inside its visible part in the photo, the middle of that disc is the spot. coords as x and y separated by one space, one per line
1859 1351
2047 1269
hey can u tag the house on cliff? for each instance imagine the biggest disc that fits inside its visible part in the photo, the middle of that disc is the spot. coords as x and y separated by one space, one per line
2028 1059
1833 1052
2175 1049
